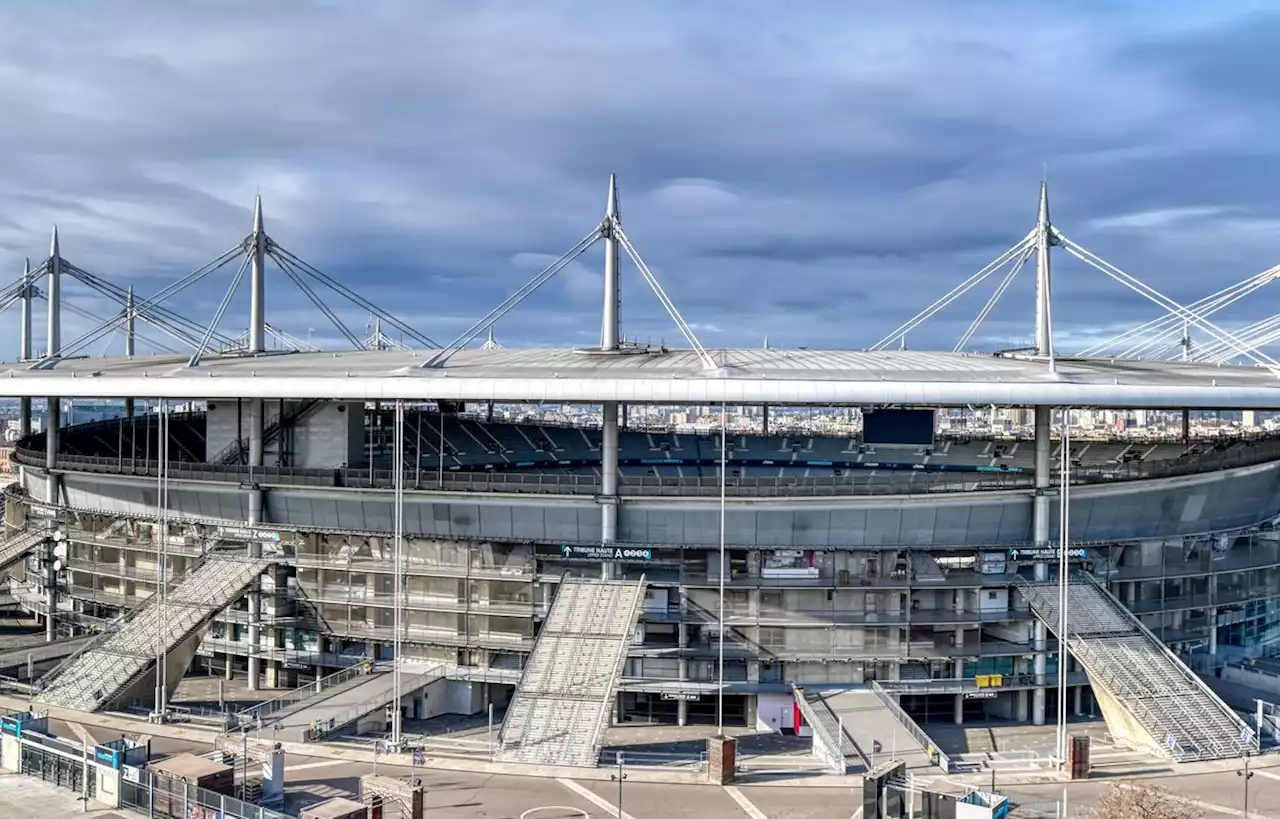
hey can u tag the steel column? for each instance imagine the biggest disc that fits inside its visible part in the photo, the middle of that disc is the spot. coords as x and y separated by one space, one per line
1040 535
612 291
257 282
1044 340
609 480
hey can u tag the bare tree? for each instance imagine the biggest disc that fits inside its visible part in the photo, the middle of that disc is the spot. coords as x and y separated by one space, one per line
1142 800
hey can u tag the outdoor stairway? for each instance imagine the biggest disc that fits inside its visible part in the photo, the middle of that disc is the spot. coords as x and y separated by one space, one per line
1166 706
16 546
562 705
104 671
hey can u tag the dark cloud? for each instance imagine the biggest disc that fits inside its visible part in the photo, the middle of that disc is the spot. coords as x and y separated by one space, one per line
818 175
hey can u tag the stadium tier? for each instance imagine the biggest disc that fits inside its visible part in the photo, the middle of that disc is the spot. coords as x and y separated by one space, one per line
845 561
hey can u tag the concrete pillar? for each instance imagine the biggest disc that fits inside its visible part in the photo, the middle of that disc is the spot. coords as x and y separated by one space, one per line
959 715
1040 536
1079 697
764 420
682 713
53 429
609 473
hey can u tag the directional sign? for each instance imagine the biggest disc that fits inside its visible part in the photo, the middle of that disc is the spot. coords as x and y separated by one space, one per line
620 553
1246 736
678 697
1171 743
1047 554
986 694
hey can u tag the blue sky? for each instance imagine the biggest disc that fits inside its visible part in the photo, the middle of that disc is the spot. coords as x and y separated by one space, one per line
817 174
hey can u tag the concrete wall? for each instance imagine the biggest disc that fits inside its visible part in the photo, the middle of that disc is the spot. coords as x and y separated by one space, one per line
1127 511
449 697
1263 682
330 435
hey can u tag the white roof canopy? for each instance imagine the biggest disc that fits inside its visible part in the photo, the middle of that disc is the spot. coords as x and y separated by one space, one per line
751 376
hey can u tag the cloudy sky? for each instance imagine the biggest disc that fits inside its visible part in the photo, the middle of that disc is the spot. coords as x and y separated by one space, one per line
817 174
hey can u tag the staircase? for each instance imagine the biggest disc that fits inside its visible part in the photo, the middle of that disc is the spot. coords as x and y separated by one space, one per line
1147 694
562 705
235 451
19 544
108 668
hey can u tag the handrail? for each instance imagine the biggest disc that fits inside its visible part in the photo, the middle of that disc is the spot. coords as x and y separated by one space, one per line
300 694
357 710
937 756
831 749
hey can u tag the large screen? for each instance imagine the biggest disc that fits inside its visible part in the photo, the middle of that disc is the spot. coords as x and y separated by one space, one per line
898 426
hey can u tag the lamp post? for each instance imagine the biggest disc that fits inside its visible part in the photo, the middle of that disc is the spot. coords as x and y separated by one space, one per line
620 777
1246 775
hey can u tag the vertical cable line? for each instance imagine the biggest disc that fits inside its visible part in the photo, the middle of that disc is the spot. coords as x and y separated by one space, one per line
397 560
724 460
1064 524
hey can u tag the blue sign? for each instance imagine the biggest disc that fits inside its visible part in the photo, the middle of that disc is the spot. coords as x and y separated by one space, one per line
108 755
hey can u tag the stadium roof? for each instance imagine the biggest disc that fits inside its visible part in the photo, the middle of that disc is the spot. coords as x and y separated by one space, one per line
665 377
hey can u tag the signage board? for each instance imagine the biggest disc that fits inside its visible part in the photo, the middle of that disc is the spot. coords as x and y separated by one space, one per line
681 697
131 774
985 694
108 756
619 553
1077 553
248 533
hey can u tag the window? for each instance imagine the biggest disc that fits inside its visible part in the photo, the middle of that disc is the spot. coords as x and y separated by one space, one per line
992 595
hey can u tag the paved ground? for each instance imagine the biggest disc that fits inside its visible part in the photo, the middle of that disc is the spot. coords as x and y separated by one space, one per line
25 796
1007 736
312 776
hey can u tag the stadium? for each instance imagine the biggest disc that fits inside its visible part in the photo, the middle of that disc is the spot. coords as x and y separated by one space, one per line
384 519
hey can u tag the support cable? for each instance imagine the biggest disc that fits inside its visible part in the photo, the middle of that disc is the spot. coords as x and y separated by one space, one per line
955 293
667 304
1014 270
1146 291
1257 335
297 278
146 310
194 361
149 310
1167 324
351 295
1174 324
512 301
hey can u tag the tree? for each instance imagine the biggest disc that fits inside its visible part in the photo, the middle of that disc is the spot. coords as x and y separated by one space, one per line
1142 800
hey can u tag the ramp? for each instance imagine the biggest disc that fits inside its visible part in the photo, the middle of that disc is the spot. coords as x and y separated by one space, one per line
19 544
109 669
42 652
869 732
321 717
561 707
1147 695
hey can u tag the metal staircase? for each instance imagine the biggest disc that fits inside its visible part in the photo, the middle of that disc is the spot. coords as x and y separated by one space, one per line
1166 705
19 544
235 451
108 668
561 708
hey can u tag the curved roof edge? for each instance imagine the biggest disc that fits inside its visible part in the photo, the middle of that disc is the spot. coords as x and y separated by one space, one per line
742 377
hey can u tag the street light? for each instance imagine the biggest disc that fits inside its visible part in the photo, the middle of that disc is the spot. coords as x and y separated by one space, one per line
620 777
1246 774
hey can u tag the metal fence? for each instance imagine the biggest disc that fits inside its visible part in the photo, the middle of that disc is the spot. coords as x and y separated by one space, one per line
156 794
1224 454
891 702
264 711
